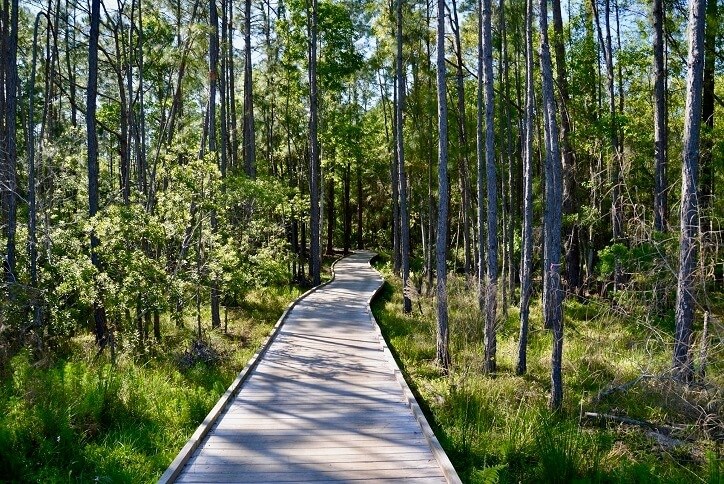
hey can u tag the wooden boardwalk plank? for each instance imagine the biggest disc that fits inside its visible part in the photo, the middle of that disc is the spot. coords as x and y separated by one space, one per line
324 402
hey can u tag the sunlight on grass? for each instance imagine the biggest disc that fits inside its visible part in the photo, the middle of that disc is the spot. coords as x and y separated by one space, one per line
497 428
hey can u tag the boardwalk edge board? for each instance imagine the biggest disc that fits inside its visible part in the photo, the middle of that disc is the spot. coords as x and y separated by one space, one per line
443 460
177 465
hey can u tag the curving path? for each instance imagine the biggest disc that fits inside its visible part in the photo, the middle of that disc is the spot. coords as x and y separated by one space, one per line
325 402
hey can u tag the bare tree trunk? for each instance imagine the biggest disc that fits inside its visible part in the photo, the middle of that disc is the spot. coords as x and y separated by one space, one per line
570 203
706 196
491 281
213 78
402 175
527 238
552 293
249 143
347 210
99 312
360 195
464 172
8 165
442 353
682 360
314 150
330 212
660 122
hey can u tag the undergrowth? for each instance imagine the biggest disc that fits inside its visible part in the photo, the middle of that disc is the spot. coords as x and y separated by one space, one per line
78 417
497 428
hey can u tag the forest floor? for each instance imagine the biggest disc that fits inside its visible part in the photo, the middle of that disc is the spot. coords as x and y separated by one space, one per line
496 428
69 415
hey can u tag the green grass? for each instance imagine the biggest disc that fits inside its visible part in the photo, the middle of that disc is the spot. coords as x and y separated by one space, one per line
80 418
497 428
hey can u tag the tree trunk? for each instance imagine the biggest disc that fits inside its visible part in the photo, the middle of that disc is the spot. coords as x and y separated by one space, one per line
682 361
249 144
442 353
8 167
330 213
706 196
464 172
527 238
314 150
491 280
570 203
552 293
213 78
347 210
660 122
402 175
99 312
360 194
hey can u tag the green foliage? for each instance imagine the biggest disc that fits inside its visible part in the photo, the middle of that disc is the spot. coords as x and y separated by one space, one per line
84 419
498 428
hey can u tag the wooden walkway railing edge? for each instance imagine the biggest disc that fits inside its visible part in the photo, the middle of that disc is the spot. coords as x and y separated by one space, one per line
177 465
442 459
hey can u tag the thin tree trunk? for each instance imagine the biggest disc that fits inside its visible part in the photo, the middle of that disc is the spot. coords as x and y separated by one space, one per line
682 360
249 143
660 122
402 175
527 238
9 169
491 280
99 312
552 293
347 210
464 172
213 78
314 150
442 352
570 202
330 212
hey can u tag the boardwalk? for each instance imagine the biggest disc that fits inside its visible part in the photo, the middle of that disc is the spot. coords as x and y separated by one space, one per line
324 403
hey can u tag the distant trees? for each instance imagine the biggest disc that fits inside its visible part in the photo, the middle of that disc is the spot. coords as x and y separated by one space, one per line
337 109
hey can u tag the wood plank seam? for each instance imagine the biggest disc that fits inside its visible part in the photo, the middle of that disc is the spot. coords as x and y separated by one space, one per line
177 465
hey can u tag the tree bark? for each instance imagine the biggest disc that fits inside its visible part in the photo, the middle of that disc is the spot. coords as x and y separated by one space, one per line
491 281
402 175
249 144
682 360
314 150
660 122
527 237
552 293
570 203
442 353
99 312
213 79
9 163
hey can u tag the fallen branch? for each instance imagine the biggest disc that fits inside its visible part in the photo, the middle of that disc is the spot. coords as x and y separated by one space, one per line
620 388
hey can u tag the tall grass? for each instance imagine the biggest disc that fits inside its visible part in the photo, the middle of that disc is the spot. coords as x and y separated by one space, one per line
80 418
497 428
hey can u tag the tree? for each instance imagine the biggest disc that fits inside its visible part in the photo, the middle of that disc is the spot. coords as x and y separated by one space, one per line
689 221
660 124
442 353
527 236
315 262
101 328
402 175
249 144
552 293
491 279
8 162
